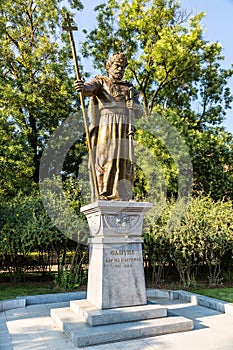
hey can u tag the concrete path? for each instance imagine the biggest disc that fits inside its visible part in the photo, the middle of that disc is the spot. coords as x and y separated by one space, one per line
32 328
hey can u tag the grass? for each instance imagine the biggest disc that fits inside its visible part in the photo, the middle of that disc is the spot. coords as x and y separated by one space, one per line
225 294
32 284
9 292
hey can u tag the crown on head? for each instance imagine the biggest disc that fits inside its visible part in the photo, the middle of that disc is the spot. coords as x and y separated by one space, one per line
117 57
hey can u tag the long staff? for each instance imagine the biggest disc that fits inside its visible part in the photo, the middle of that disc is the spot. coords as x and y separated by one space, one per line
70 28
131 136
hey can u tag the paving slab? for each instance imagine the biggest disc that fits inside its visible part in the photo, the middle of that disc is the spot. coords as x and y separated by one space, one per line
31 328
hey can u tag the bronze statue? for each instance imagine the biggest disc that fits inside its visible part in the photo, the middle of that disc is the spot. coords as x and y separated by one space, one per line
113 106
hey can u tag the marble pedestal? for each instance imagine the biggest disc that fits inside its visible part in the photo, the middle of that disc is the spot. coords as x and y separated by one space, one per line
116 273
116 307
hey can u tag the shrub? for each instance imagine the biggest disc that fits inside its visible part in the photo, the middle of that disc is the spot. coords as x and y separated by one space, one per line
202 237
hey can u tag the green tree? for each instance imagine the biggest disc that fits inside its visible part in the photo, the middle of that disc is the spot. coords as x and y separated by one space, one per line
179 76
15 160
36 85
168 56
212 157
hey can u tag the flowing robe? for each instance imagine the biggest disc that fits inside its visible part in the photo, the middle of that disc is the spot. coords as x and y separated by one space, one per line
111 131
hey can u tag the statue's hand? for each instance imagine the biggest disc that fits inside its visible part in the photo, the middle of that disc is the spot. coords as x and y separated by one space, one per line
129 103
79 85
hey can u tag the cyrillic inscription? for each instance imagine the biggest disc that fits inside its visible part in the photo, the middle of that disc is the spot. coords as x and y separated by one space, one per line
122 258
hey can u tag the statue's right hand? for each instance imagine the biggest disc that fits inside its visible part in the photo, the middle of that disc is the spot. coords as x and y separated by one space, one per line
79 85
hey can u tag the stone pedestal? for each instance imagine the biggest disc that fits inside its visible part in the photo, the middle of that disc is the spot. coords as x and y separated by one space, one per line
116 273
116 307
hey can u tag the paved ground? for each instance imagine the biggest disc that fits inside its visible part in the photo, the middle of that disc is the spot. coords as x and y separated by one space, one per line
31 328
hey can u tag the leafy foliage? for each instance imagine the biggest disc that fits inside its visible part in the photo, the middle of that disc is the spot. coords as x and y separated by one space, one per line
36 75
203 237
16 166
25 227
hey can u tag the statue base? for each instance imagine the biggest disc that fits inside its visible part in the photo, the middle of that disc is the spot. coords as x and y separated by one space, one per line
116 308
116 272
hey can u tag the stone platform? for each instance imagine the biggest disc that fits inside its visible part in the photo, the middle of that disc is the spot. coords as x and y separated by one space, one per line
86 325
97 317
116 307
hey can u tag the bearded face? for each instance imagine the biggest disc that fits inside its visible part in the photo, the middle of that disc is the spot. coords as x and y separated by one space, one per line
116 70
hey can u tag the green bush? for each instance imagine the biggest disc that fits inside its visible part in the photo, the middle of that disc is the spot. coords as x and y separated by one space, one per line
70 279
29 241
202 237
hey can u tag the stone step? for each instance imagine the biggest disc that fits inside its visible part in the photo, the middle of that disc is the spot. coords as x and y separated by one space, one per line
82 334
97 317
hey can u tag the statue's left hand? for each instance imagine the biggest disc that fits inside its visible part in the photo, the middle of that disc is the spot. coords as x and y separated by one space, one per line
129 103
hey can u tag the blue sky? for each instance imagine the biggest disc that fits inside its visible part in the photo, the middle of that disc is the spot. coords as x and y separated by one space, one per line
218 24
